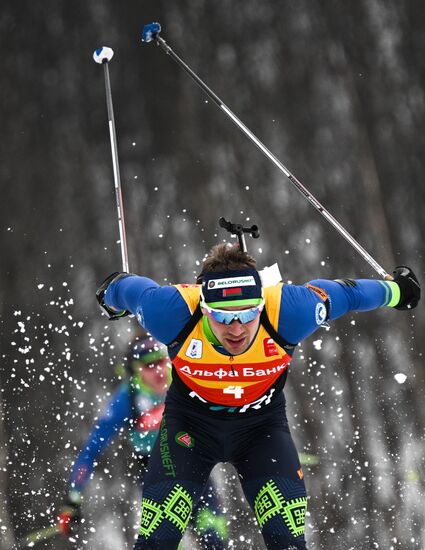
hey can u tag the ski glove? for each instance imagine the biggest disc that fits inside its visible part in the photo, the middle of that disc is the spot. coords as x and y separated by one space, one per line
410 289
100 296
70 515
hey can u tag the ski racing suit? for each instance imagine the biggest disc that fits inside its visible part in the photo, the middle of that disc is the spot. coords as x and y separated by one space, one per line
224 408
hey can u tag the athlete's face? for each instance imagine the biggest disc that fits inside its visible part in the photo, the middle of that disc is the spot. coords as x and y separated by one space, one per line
236 337
155 376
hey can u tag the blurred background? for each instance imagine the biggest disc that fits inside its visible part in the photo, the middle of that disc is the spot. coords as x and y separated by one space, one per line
336 90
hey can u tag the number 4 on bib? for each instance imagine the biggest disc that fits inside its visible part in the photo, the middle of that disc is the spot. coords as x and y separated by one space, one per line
237 391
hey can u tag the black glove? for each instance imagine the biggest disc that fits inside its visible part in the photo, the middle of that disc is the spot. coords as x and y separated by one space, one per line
70 514
100 294
410 289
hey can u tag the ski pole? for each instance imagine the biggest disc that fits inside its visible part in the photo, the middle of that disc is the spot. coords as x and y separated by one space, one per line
151 32
37 536
103 56
308 459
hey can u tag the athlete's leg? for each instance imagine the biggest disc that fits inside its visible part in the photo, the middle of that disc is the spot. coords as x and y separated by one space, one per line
209 520
272 481
177 472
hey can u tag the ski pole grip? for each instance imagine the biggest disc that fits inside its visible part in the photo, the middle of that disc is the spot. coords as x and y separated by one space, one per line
103 55
150 32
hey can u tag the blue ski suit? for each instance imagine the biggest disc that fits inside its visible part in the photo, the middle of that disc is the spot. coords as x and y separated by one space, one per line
252 435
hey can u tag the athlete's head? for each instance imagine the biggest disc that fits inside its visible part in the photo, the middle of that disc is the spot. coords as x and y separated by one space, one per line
231 297
149 360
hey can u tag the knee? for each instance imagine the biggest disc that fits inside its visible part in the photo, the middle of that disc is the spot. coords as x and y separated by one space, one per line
280 507
165 514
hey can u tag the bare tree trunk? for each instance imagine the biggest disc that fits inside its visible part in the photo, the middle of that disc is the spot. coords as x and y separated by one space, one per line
7 539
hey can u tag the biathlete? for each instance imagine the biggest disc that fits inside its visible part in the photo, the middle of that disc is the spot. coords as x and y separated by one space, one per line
231 341
138 405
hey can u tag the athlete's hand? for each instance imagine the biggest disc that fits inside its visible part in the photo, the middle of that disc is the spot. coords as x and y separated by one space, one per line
150 420
410 289
100 296
69 517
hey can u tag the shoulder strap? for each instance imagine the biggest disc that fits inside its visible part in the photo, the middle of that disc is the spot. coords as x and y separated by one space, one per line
187 329
265 321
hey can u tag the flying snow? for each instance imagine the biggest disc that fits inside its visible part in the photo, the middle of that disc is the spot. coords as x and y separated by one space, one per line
400 378
318 344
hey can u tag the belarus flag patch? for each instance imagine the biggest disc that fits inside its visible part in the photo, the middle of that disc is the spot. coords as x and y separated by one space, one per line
232 292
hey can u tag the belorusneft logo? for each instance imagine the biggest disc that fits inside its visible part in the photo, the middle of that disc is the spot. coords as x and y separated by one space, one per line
233 281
